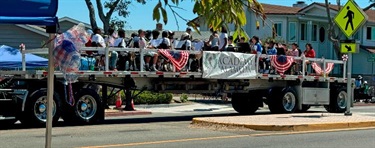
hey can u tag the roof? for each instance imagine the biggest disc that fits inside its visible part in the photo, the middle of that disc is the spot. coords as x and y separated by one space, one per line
369 12
371 15
370 49
33 28
65 18
270 9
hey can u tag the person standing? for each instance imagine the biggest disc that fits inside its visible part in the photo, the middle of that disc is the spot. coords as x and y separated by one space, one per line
223 39
213 41
296 52
257 48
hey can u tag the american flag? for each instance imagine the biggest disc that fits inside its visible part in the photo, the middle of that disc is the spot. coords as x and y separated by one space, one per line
281 63
178 59
319 69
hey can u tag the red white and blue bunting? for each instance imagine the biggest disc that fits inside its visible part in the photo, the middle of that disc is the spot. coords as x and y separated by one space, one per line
281 63
319 70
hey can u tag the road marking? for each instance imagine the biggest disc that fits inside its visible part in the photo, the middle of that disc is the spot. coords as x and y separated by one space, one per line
307 132
225 137
166 141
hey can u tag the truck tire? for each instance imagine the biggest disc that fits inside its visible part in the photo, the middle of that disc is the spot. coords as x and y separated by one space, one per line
35 113
86 108
282 100
337 100
243 104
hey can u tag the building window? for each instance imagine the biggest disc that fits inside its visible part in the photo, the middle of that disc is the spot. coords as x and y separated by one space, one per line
277 29
314 34
370 33
303 32
292 31
322 34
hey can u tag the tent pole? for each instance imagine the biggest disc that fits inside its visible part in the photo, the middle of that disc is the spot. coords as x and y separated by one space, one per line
23 59
50 88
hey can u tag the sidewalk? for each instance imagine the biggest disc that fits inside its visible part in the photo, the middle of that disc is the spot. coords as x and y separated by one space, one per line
112 112
290 122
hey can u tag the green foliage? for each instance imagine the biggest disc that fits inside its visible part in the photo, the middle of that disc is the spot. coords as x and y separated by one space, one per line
116 23
146 97
215 13
275 40
121 8
184 98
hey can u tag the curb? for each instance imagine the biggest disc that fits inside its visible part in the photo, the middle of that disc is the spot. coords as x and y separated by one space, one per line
298 127
126 113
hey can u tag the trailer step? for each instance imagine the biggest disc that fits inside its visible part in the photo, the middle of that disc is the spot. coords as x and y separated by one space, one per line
7 118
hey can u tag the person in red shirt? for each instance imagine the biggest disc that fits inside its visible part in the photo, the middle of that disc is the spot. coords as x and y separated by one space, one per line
309 52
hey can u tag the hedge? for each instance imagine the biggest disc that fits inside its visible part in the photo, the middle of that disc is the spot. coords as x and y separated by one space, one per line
146 97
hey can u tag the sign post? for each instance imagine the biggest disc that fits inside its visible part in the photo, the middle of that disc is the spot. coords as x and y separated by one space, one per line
349 19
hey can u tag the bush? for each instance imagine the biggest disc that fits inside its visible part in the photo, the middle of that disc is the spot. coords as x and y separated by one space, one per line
145 97
184 98
148 97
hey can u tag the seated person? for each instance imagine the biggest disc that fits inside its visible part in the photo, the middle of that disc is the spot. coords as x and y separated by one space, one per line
230 44
270 51
309 53
195 65
113 55
98 41
148 54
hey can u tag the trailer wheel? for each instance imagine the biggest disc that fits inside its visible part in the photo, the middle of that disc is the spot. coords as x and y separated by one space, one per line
86 109
35 113
243 104
338 101
283 101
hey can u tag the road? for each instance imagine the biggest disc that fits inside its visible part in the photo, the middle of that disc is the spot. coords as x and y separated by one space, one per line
174 130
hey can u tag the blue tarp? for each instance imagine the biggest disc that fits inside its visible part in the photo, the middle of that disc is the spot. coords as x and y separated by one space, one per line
11 58
33 12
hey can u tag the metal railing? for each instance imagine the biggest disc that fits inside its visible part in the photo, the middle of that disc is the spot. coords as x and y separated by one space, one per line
143 51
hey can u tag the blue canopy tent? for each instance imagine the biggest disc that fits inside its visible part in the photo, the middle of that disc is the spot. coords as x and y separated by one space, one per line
35 12
11 58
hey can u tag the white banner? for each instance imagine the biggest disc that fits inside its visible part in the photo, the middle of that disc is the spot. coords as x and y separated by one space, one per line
228 65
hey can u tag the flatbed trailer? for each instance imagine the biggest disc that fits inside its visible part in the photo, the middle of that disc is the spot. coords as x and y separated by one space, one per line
24 92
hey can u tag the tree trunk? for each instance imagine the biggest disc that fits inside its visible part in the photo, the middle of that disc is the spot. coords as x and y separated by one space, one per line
106 25
91 8
331 31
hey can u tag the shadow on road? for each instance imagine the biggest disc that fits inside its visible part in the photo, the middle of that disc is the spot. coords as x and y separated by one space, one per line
138 120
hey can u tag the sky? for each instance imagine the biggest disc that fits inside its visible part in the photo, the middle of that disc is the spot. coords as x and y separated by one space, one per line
141 15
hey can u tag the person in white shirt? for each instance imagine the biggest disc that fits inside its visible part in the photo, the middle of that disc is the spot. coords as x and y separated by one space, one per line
123 57
223 39
154 42
142 45
97 39
213 41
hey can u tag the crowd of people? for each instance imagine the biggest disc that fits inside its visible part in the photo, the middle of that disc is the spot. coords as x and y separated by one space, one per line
156 39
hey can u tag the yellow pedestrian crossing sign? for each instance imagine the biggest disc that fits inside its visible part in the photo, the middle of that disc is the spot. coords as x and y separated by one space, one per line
350 18
348 47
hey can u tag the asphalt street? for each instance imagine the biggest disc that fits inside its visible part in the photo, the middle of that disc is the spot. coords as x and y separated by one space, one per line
162 129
